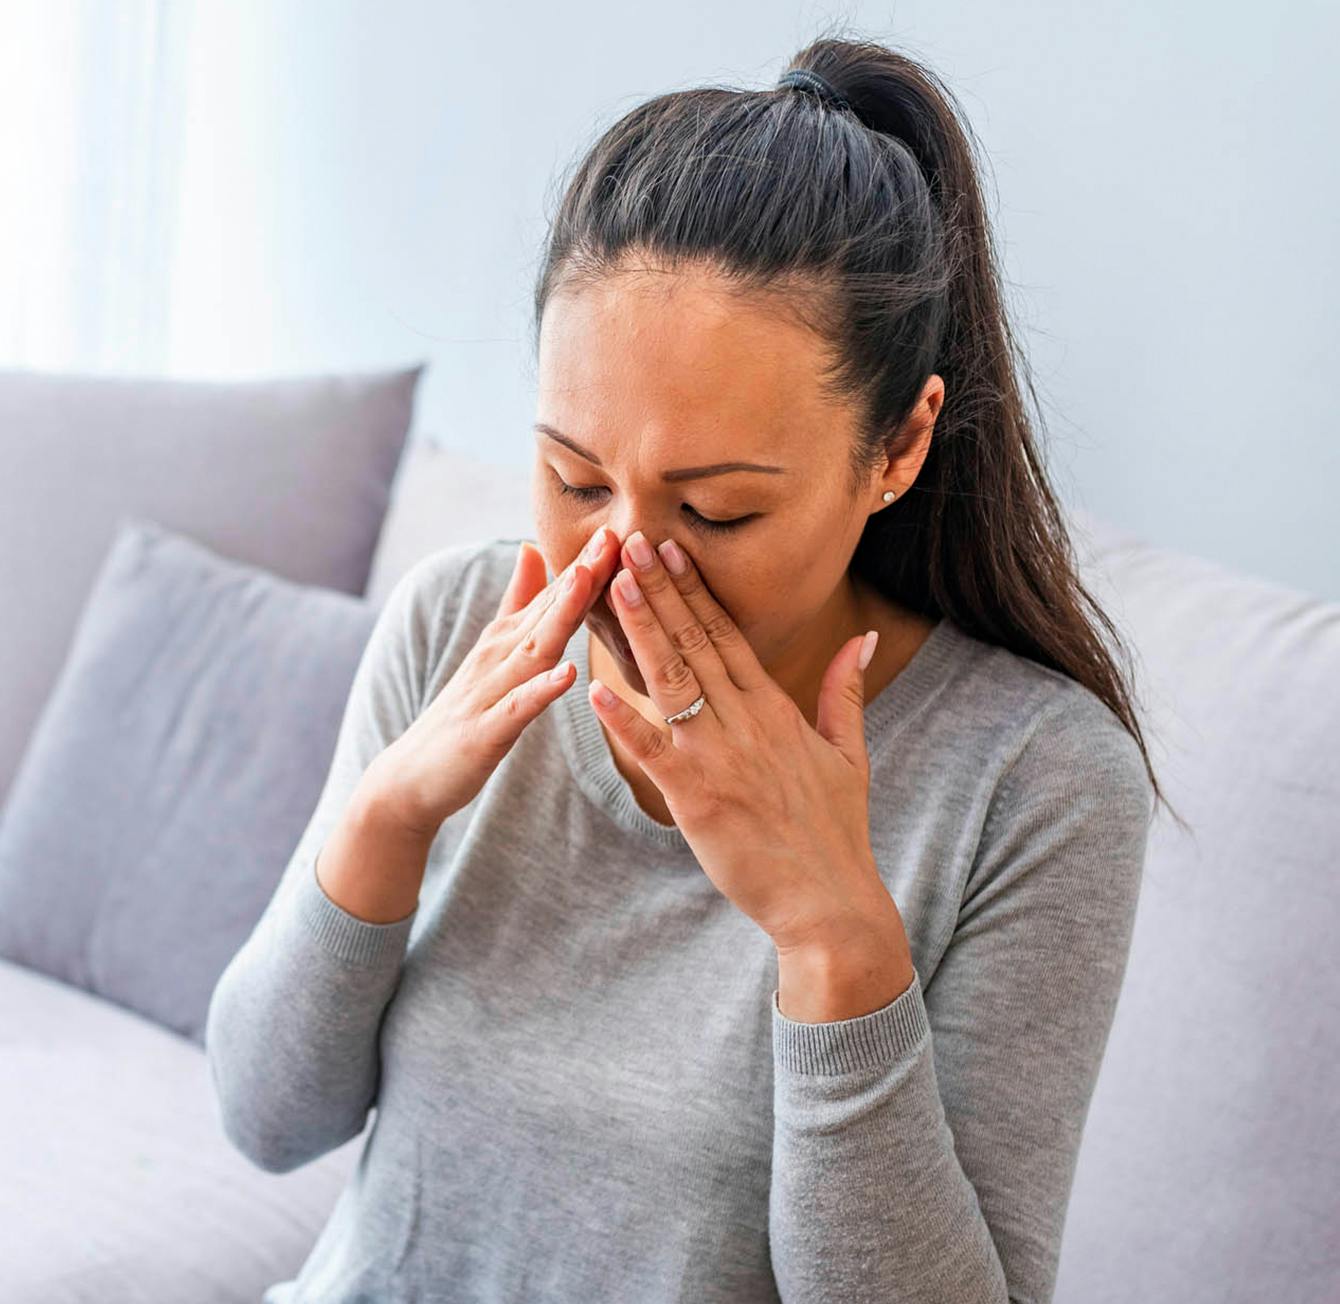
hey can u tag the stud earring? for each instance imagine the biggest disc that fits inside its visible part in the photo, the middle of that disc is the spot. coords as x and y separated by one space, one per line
889 495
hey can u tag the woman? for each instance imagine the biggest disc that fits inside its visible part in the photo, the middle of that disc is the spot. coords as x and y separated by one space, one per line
783 967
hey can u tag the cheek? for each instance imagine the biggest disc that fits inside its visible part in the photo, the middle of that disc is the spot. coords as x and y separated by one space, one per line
766 593
746 596
747 579
555 538
553 524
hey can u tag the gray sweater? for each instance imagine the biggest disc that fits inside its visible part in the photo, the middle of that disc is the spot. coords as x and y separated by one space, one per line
584 1088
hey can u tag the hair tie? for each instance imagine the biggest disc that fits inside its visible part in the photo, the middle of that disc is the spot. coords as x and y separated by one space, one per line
805 80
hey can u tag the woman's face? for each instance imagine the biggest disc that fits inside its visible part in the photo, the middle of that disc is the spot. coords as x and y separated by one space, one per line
650 380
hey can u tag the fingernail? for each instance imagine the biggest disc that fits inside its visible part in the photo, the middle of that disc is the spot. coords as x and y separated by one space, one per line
570 581
628 587
639 550
596 543
673 558
868 648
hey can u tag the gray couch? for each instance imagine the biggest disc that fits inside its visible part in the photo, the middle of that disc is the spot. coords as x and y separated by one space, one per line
1211 1159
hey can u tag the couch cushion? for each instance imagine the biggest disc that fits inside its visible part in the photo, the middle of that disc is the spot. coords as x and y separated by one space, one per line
172 772
291 474
1210 1159
118 1181
443 498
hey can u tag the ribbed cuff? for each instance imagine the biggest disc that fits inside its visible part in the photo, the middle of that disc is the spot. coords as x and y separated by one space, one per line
846 1045
354 940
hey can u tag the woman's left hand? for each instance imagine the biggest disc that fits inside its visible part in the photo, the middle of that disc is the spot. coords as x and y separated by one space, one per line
776 812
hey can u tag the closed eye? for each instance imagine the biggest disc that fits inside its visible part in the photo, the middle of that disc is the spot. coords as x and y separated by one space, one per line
589 493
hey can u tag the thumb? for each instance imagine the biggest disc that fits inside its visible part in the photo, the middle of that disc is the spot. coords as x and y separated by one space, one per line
841 717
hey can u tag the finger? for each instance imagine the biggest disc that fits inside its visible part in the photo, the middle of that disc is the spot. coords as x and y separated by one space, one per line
528 575
543 629
667 661
519 655
518 707
535 643
842 700
678 620
652 748
733 650
595 556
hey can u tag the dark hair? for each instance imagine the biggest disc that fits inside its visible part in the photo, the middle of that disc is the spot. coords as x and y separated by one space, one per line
867 223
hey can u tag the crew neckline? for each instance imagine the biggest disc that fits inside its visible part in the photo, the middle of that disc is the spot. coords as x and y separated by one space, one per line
592 762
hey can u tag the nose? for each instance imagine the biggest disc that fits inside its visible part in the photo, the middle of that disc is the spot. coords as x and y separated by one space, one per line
654 533
624 523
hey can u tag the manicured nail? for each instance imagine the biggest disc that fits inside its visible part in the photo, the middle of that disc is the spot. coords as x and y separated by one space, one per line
673 558
867 648
595 545
560 672
628 587
640 550
603 694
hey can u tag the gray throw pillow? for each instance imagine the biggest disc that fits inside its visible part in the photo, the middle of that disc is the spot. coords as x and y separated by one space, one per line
292 474
172 771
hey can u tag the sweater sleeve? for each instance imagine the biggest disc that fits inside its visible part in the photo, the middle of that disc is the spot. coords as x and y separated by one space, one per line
924 1153
292 1028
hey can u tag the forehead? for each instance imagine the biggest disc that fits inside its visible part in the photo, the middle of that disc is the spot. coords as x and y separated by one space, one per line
686 366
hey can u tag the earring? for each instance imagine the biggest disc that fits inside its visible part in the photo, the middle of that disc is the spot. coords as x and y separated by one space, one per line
889 495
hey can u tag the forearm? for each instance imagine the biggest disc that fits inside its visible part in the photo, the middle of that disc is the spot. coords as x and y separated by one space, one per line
370 865
845 977
868 1200
859 1126
292 1030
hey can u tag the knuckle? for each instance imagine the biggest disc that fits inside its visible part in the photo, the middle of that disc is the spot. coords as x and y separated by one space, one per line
687 583
719 627
675 674
654 581
537 606
688 638
501 639
468 734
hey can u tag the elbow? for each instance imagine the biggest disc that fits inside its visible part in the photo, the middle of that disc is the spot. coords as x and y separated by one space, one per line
283 1150
276 1140
271 1109
241 1121
266 1152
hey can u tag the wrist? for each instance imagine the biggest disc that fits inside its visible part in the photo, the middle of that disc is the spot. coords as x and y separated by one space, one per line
845 978
383 799
370 865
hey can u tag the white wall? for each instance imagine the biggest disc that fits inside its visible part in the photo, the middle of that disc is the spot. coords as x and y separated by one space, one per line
365 184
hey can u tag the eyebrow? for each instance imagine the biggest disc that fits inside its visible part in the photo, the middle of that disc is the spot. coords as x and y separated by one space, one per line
670 477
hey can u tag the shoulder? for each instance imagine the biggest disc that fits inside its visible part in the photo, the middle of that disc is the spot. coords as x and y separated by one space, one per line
1076 749
1046 737
450 574
1063 799
459 580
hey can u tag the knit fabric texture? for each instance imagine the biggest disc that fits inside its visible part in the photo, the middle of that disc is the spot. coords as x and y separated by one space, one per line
580 1083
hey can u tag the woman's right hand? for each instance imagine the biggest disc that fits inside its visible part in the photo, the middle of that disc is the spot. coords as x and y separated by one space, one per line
445 757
